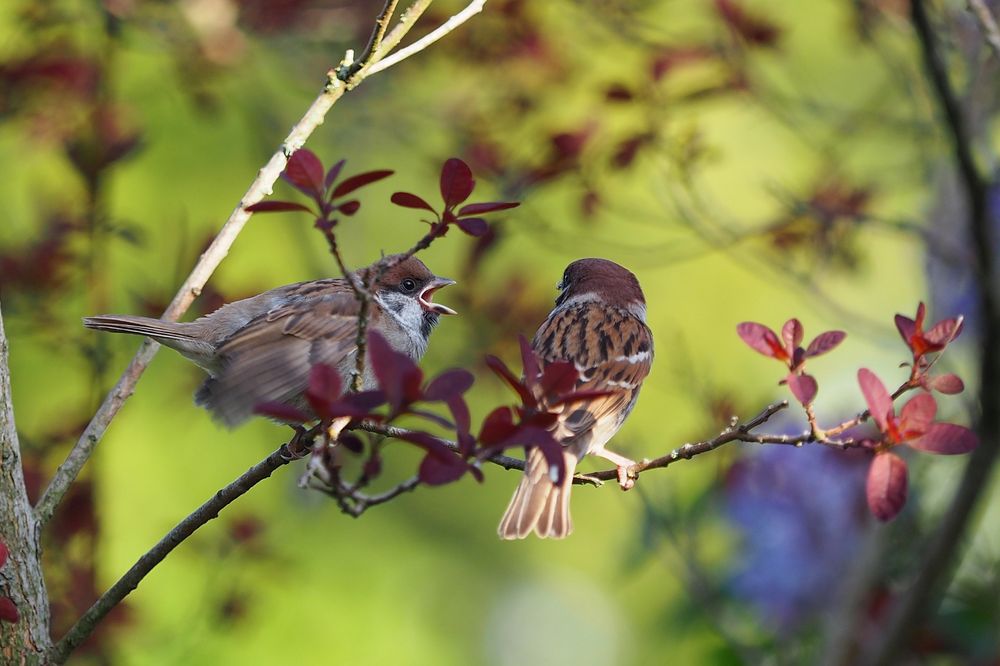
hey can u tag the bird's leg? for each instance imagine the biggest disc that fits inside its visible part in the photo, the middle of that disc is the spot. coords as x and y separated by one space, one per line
625 480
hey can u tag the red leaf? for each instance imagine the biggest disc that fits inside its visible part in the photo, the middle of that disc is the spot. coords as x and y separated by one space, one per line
362 179
559 377
529 436
373 466
428 443
456 182
436 471
474 226
824 342
279 411
351 442
331 175
463 420
497 426
487 207
803 387
398 376
305 172
878 399
449 384
946 438
4 552
906 327
8 611
529 361
949 383
407 200
791 334
324 387
886 485
944 331
349 207
276 207
761 339
502 371
917 415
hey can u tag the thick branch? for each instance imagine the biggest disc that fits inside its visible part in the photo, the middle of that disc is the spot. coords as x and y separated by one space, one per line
85 626
332 91
21 577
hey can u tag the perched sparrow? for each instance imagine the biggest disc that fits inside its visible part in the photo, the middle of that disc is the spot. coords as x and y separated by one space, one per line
599 323
262 348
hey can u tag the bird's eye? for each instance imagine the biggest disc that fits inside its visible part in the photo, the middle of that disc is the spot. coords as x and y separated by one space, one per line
408 285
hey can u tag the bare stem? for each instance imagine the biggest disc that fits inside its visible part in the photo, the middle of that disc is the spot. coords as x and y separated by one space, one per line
988 24
85 626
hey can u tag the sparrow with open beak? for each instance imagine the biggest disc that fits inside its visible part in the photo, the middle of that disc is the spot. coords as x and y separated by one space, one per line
598 324
261 349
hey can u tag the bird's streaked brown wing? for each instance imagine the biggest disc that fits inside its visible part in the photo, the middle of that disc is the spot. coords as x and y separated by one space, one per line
269 359
613 351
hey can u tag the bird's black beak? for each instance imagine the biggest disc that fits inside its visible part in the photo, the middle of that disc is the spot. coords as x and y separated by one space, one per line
427 295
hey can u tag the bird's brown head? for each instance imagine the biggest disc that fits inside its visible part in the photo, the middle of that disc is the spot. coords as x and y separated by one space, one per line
412 279
614 284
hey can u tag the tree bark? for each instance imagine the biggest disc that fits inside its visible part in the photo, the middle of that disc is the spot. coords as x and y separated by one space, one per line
25 641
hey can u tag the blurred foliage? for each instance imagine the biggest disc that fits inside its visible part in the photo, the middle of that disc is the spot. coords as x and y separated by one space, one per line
748 160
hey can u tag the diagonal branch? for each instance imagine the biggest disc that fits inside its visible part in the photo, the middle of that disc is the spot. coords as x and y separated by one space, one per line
85 626
338 82
988 24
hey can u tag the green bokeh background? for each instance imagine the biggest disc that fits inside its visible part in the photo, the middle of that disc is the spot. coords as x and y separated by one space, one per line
424 579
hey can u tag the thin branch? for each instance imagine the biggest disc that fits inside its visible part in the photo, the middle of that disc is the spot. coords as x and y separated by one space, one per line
988 24
354 503
935 566
85 626
333 90
378 32
458 19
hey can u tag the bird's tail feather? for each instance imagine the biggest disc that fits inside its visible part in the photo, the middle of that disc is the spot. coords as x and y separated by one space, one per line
539 504
154 328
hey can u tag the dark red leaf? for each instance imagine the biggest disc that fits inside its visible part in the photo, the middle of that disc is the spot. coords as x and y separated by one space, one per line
360 180
529 361
791 335
8 611
949 383
529 436
921 313
761 339
431 416
349 207
428 443
449 384
277 207
558 378
398 376
946 438
456 182
435 471
359 403
824 342
886 485
331 175
502 371
407 200
486 207
373 466
305 172
878 399
460 412
618 92
906 327
497 426
803 387
324 387
281 412
474 226
351 442
4 553
916 416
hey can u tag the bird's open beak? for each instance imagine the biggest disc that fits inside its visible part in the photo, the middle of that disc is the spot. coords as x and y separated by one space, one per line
427 295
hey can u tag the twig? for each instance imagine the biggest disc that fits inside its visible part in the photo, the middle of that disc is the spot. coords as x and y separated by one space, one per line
332 91
85 626
354 503
378 33
458 19
989 24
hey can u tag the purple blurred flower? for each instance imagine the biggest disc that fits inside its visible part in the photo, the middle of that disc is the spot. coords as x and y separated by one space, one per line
800 513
